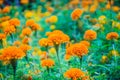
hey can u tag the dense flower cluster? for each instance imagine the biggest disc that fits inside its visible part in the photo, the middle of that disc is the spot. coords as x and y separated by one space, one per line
112 35
76 14
58 37
77 49
24 47
74 73
90 35
86 43
45 42
47 63
11 53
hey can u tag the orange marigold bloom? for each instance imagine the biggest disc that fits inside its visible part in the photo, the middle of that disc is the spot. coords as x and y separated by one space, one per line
76 14
86 43
24 1
35 26
1 2
93 8
112 35
25 47
30 22
11 53
45 42
6 9
74 73
15 22
9 29
115 8
90 35
26 31
16 43
58 37
25 40
47 63
67 57
2 36
5 18
77 49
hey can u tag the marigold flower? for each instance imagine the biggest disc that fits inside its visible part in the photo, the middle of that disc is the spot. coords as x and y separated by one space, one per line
53 19
108 6
47 63
104 59
35 26
74 73
2 36
5 18
30 22
15 22
26 31
90 35
9 29
67 57
16 43
28 14
115 8
45 42
58 37
77 49
86 43
24 1
112 35
93 8
76 14
11 53
25 47
6 9
25 40
1 2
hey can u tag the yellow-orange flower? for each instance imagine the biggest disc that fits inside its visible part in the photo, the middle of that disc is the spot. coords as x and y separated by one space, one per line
25 47
24 1
1 2
6 9
90 35
115 8
16 43
67 57
35 26
45 42
58 37
74 73
93 8
30 22
5 18
2 36
11 53
15 22
9 29
76 14
26 31
47 63
25 40
77 49
53 19
112 35
86 43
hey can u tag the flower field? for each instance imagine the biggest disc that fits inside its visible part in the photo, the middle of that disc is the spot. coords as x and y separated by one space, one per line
59 39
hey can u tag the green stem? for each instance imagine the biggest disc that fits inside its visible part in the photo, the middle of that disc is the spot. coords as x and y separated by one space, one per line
80 62
113 46
14 66
12 38
1 43
57 50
